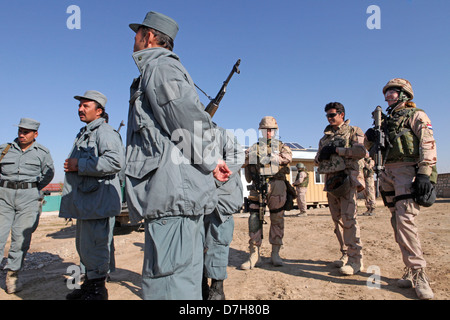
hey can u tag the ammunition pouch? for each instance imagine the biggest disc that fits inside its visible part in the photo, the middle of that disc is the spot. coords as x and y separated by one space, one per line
338 185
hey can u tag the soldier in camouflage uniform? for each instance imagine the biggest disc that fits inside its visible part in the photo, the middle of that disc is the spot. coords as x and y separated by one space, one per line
369 191
301 186
340 150
408 177
269 158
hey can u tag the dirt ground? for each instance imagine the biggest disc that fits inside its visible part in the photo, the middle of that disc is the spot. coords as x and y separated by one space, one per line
309 248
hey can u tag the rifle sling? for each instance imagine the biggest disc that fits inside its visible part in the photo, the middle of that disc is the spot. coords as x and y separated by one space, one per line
5 151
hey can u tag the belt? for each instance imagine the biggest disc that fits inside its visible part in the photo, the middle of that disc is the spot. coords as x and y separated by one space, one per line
17 185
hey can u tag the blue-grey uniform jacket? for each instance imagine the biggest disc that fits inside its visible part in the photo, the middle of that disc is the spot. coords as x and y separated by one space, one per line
94 191
169 142
32 165
230 193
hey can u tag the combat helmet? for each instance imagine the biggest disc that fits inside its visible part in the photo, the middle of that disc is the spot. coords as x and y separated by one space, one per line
402 84
300 165
268 122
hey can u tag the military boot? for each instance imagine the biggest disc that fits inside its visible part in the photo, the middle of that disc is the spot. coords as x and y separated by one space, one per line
275 256
421 284
352 267
95 290
370 212
77 294
13 283
407 279
253 259
216 290
341 262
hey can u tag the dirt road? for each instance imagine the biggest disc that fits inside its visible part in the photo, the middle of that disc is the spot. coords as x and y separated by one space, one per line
309 248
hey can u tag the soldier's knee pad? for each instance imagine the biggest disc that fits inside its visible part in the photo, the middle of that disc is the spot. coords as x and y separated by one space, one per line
254 224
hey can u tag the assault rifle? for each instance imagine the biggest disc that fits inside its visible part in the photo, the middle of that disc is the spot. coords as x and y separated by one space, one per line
213 105
379 145
120 126
260 185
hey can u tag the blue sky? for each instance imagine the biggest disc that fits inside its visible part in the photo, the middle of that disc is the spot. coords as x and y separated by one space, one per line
296 57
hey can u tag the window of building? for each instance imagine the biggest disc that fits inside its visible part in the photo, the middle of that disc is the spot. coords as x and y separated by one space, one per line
318 178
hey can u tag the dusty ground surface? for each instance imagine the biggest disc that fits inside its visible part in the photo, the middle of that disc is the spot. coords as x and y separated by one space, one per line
309 248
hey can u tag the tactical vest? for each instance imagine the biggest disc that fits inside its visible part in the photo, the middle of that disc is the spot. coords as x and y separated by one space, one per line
260 150
342 139
404 143
305 181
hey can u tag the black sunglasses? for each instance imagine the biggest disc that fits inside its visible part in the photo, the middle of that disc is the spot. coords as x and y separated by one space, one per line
331 115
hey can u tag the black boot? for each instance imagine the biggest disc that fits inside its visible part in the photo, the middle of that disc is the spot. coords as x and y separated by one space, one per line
96 290
216 290
77 294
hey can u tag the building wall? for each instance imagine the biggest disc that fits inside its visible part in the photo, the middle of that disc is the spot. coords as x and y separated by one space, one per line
315 193
443 185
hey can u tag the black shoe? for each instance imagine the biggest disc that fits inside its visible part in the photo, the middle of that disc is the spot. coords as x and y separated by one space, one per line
95 290
77 294
216 290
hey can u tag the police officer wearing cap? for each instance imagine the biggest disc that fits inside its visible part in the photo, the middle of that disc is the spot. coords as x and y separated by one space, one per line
172 159
267 159
26 167
340 150
408 178
92 193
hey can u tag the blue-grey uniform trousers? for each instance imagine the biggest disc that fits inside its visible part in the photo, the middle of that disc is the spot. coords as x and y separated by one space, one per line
19 214
93 242
173 258
218 237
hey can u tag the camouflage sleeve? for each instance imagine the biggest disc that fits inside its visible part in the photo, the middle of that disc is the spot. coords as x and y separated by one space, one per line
421 126
285 156
356 149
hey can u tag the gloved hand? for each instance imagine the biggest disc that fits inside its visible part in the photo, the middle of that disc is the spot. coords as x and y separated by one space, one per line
326 152
422 184
371 135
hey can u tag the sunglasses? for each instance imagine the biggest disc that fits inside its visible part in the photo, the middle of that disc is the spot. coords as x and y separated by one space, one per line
331 115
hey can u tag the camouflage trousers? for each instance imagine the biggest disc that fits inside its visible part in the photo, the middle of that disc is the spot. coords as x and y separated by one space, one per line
369 193
276 198
343 213
301 198
404 213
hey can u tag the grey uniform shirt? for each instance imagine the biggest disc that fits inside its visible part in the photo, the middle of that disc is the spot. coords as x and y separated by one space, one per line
94 191
32 165
170 142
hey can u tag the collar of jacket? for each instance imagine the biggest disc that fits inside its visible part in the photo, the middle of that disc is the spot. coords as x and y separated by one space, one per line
16 145
143 57
91 126
329 129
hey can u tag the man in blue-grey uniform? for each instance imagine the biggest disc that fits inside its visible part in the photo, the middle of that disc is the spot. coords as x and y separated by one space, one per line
26 167
92 193
171 158
219 225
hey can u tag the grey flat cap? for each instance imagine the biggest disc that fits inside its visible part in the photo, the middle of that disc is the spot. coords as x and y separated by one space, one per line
28 123
95 96
160 22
